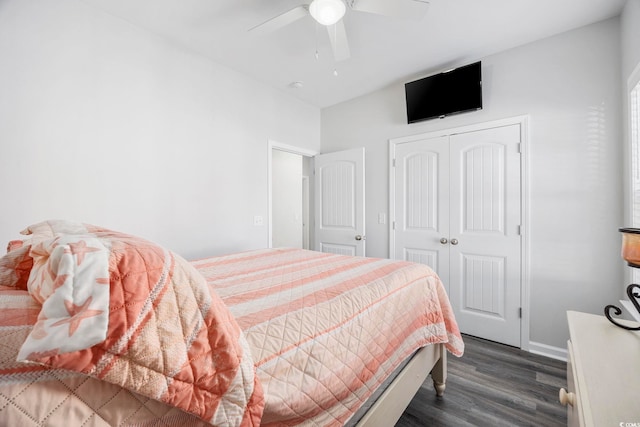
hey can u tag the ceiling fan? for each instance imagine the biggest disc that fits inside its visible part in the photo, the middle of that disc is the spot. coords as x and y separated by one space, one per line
330 12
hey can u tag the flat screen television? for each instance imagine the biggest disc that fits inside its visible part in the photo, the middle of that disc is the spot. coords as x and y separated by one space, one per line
451 92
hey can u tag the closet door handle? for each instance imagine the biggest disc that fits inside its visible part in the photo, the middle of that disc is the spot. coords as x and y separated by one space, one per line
444 241
454 241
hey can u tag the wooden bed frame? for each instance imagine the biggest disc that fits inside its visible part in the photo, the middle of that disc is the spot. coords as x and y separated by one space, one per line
386 411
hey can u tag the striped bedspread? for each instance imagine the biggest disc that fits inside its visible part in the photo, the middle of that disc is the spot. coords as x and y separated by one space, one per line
326 330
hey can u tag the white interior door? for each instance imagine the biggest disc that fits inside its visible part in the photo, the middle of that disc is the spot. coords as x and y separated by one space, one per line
457 206
339 202
485 280
422 204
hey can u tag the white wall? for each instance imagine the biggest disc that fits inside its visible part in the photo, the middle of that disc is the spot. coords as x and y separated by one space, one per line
108 124
630 37
287 199
570 86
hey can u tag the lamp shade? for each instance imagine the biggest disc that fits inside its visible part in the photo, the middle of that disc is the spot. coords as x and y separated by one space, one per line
327 12
631 246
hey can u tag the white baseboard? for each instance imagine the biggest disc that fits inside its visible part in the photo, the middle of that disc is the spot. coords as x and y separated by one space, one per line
548 351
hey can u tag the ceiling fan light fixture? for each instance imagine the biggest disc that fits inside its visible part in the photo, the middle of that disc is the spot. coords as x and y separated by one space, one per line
327 12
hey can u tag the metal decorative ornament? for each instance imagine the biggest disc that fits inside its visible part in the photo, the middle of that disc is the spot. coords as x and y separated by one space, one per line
631 254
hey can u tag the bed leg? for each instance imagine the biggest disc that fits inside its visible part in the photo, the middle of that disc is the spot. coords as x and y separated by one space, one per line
439 373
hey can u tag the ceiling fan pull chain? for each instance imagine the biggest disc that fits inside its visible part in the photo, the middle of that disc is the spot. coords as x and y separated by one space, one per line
317 53
335 37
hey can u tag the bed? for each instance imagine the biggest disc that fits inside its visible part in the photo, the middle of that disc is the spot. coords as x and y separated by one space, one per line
100 328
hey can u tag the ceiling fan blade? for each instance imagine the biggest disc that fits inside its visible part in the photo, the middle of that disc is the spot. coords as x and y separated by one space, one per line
281 20
339 42
406 9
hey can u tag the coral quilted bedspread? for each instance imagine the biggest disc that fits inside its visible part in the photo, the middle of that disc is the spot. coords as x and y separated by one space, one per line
110 329
326 330
100 328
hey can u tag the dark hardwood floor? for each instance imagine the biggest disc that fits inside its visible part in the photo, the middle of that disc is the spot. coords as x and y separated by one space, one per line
492 385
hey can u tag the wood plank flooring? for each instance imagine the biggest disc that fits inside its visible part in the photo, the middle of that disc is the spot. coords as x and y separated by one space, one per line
492 385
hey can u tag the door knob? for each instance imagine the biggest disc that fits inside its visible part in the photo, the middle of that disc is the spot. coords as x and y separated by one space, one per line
454 241
444 241
358 237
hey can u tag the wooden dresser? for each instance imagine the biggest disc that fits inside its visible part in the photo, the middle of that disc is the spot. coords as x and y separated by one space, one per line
603 373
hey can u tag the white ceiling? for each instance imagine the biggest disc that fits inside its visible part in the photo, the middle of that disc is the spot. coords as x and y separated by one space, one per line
383 50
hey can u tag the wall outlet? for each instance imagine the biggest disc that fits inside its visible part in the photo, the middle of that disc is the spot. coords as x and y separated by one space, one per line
382 218
258 221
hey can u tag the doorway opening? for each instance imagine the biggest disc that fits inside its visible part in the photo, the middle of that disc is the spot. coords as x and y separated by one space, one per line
290 196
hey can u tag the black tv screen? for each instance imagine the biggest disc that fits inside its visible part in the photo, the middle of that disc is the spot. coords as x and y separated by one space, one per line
444 94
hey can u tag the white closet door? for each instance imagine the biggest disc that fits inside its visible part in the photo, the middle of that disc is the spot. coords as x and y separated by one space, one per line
422 204
457 209
485 282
